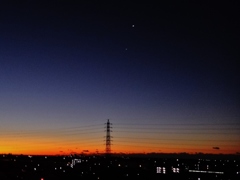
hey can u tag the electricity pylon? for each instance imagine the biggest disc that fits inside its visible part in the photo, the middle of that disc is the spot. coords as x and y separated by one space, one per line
108 138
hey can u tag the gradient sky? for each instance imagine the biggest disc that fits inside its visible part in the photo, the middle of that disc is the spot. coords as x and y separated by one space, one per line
168 71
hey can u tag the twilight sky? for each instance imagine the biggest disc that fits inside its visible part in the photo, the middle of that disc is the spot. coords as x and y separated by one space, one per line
168 71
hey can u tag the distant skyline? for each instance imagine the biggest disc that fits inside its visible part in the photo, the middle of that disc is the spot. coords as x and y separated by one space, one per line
169 71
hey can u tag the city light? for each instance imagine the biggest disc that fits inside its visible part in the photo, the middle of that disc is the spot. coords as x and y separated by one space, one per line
123 167
215 172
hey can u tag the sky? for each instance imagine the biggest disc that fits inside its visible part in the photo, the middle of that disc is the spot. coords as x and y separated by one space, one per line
166 75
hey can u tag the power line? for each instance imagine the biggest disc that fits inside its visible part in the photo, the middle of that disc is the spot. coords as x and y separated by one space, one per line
173 144
159 132
173 139
73 136
180 128
180 124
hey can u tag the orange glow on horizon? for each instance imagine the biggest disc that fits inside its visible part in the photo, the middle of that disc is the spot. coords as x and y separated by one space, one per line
75 141
35 149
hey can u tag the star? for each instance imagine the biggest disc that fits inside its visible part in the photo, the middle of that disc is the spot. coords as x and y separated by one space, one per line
133 25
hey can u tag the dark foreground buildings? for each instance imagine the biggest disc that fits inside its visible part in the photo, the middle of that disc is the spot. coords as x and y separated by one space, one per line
119 167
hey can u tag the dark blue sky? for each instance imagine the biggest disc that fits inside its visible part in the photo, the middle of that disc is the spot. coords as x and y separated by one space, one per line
66 64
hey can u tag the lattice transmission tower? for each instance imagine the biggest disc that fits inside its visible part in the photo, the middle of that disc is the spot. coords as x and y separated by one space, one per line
108 137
